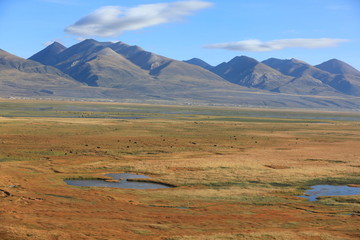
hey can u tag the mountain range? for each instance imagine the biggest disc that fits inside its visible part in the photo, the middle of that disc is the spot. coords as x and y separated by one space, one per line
293 76
117 71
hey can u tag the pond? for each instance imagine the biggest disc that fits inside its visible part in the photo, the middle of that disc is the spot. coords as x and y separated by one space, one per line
121 183
330 190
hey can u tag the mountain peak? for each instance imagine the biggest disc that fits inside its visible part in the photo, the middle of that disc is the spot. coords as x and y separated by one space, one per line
243 62
90 44
199 62
277 61
126 50
49 54
57 45
243 59
84 48
107 52
89 41
336 66
241 70
291 67
297 61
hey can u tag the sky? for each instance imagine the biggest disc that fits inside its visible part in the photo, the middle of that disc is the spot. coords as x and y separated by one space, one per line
213 30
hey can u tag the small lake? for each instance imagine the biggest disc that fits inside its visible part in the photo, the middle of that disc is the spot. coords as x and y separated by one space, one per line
330 190
121 183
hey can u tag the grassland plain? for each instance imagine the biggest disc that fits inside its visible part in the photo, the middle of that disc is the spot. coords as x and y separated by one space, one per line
237 172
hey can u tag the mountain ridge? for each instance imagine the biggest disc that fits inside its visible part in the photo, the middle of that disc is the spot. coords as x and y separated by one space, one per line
121 72
331 77
291 76
130 67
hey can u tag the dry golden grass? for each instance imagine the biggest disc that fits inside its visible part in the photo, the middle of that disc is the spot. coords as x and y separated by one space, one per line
236 179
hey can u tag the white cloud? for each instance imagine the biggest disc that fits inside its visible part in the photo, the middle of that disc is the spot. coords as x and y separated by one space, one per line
254 45
111 21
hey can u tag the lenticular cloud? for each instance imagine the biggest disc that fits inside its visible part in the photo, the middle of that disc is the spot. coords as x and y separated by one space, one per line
111 21
255 45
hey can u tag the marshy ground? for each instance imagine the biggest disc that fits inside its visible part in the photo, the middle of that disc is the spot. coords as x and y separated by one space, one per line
237 172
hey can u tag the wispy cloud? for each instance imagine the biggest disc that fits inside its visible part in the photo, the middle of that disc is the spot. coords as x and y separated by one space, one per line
254 45
111 21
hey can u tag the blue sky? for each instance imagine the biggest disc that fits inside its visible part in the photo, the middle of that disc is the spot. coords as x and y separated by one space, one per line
214 30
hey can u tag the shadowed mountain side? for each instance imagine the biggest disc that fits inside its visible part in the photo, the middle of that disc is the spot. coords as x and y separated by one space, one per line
21 77
49 55
307 85
290 67
118 65
106 68
306 78
12 62
347 79
342 82
348 84
336 66
25 78
299 69
76 54
144 59
183 74
200 63
17 70
249 72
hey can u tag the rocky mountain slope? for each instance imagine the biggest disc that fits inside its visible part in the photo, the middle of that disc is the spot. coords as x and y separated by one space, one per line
200 63
249 72
346 79
118 65
306 78
27 77
48 56
292 76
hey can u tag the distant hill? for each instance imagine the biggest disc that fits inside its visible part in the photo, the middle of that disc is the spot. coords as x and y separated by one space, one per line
200 63
138 56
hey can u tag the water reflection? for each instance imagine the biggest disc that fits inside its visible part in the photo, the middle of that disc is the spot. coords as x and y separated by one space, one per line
122 183
330 190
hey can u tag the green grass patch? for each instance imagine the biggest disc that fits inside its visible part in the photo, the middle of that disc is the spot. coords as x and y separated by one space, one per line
332 181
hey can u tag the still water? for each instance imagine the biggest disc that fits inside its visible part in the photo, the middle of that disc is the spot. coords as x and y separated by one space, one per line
122 183
330 190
